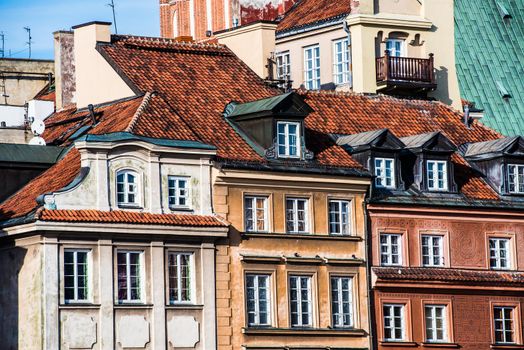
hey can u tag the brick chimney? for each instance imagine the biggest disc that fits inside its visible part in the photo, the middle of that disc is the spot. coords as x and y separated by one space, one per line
65 84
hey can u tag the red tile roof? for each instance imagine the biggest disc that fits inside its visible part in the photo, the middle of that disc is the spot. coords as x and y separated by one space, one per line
128 217
308 12
447 275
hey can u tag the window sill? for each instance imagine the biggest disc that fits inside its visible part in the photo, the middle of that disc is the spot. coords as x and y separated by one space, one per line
440 345
184 209
79 306
184 307
506 346
351 332
133 306
130 206
248 235
404 344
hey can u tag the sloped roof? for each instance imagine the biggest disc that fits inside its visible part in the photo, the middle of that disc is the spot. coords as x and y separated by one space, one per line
309 12
490 52
494 146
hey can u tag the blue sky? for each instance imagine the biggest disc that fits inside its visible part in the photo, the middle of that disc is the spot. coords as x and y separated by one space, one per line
138 17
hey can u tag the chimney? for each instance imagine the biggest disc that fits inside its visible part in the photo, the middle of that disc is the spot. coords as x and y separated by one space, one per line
65 84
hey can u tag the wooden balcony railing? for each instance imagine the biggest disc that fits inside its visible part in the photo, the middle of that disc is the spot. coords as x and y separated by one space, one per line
405 69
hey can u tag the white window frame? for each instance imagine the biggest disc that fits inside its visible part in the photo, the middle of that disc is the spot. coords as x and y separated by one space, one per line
178 299
434 178
140 277
503 320
127 192
389 245
299 311
391 319
431 240
341 77
431 323
514 179
339 318
253 213
497 256
177 189
402 52
344 227
75 275
294 210
283 61
287 143
257 278
381 177
312 67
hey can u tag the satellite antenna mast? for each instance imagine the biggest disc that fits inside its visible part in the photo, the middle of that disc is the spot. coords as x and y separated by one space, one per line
29 42
112 5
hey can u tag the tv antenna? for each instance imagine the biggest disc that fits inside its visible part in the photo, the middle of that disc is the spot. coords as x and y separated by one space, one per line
29 42
112 5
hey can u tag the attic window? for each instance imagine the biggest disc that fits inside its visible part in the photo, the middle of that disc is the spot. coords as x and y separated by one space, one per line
288 139
385 172
127 188
437 175
516 178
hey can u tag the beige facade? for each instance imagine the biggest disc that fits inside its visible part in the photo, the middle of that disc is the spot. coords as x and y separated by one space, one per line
318 256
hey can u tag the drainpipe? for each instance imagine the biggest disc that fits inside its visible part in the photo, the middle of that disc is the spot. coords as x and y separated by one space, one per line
371 299
346 29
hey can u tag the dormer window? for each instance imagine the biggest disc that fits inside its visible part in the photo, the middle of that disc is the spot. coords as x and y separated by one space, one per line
288 139
127 188
178 191
437 175
516 178
385 172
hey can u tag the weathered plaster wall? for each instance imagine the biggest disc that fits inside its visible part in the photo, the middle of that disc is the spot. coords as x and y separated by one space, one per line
65 82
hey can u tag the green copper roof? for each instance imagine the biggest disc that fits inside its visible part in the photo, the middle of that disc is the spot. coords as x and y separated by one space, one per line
126 136
21 153
489 37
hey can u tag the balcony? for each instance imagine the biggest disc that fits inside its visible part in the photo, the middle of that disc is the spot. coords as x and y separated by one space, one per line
405 74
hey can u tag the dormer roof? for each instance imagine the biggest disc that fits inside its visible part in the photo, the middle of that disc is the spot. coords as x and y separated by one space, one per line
495 148
375 139
431 141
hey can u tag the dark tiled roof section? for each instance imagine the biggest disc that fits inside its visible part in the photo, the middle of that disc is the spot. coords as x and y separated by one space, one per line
129 217
448 275
58 176
308 12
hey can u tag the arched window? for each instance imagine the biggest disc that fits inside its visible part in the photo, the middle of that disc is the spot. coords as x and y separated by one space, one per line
127 182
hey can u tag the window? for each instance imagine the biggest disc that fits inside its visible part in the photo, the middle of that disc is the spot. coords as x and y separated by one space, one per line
342 301
394 325
301 306
127 188
390 249
395 47
339 217
504 324
76 276
178 191
437 174
385 172
499 253
258 300
179 269
436 323
312 67
288 139
516 178
129 269
341 73
283 66
432 250
255 214
296 215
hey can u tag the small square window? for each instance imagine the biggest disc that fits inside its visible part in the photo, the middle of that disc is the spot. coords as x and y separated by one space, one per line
437 175
178 191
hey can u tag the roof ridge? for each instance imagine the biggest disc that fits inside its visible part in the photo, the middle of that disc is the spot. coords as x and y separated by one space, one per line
143 105
136 39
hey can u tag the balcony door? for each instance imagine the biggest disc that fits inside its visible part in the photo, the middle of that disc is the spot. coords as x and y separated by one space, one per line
396 47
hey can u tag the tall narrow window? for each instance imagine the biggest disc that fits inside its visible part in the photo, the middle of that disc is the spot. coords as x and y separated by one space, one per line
288 139
499 253
312 67
395 47
385 172
179 268
341 72
258 300
178 191
504 324
432 250
129 279
339 217
127 188
437 175
516 178
390 249
296 215
342 301
76 276
283 66
300 298
255 214
394 323
436 323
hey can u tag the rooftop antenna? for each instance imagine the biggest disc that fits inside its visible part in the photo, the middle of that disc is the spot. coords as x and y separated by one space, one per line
112 5
29 42
2 50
